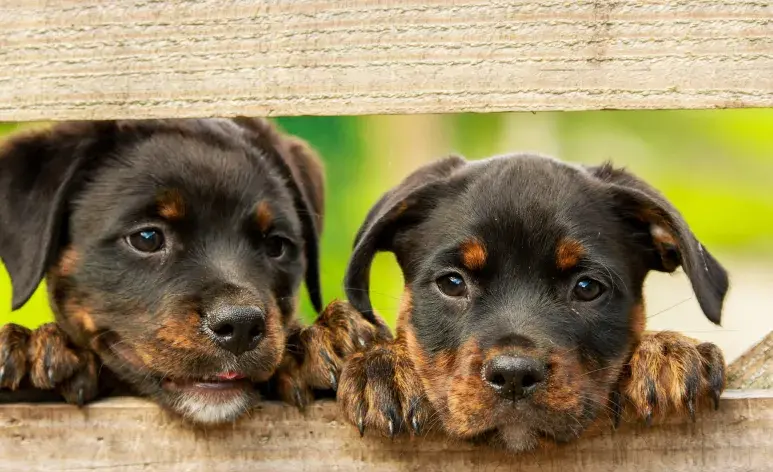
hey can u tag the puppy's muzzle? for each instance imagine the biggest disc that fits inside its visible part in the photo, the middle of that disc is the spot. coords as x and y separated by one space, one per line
237 329
514 377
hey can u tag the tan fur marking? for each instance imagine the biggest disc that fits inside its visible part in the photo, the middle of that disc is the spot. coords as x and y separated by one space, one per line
68 261
561 393
273 344
179 333
405 309
264 216
79 314
568 253
473 254
470 403
402 208
83 318
638 321
171 205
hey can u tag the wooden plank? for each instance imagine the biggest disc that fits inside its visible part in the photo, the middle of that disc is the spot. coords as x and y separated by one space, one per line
76 59
131 435
754 369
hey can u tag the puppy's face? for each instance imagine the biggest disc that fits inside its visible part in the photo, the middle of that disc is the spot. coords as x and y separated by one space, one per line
181 251
524 287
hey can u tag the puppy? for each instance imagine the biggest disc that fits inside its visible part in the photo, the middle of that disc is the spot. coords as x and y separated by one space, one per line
173 253
522 317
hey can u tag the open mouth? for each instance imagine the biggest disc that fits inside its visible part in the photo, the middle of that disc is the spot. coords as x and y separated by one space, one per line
213 384
211 399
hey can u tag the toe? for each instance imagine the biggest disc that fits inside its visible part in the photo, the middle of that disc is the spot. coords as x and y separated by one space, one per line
13 355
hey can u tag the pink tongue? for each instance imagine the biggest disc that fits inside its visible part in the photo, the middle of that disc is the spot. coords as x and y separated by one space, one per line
229 376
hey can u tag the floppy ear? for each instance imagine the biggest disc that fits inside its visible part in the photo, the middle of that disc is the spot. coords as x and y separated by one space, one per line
399 209
305 176
37 173
666 237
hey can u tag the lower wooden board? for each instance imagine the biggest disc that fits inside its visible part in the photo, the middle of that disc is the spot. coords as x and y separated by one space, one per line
134 435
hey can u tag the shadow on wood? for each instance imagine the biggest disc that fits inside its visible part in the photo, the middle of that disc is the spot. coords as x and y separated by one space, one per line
132 435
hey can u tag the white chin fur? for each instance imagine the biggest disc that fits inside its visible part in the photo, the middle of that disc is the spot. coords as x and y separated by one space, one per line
518 437
199 410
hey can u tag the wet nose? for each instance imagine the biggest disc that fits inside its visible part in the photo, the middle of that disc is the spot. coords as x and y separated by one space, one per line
514 377
237 329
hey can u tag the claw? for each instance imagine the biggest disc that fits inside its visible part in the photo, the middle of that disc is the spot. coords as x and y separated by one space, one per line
2 373
415 424
617 408
51 375
361 425
333 380
298 398
326 356
361 419
715 394
81 395
392 420
648 418
692 386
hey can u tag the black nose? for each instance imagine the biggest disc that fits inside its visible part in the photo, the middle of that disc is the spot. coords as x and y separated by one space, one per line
514 377
236 328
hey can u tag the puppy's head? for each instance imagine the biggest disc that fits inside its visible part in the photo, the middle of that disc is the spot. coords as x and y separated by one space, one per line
174 249
524 283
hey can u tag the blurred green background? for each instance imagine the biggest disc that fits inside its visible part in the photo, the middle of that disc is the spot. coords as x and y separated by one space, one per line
715 165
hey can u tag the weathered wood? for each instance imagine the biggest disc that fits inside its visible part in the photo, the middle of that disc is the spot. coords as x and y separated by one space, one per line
754 369
72 59
132 435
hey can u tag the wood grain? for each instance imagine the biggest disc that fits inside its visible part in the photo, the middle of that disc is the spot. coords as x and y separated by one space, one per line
132 435
754 369
76 59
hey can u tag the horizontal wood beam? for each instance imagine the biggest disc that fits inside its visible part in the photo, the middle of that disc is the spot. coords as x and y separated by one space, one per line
74 59
133 435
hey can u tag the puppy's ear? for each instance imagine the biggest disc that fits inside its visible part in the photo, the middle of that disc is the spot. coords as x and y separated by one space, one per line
304 173
308 170
666 238
37 173
398 210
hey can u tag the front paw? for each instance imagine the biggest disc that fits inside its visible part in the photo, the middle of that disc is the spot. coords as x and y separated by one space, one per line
13 355
54 363
380 390
316 354
671 374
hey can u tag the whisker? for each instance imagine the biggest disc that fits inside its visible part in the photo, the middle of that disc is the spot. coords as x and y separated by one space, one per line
670 308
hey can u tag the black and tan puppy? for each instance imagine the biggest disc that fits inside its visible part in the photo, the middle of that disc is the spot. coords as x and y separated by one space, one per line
173 252
522 317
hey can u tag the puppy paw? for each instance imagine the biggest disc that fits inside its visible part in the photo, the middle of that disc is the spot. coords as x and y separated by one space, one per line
13 355
672 374
56 364
380 390
317 353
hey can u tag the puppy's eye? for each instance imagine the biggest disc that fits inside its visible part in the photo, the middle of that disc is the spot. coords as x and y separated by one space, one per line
587 289
146 240
452 285
276 246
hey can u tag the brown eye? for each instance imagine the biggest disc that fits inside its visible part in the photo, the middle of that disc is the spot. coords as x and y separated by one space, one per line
587 289
452 285
276 247
148 240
